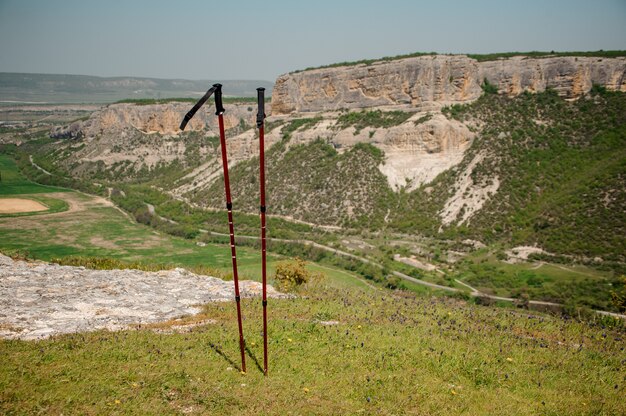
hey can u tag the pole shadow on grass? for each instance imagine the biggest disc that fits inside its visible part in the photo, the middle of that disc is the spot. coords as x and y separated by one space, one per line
230 361
256 362
224 356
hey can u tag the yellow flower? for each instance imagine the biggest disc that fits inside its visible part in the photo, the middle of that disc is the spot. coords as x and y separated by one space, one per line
253 343
454 393
135 385
289 340
117 401
305 390
359 327
509 359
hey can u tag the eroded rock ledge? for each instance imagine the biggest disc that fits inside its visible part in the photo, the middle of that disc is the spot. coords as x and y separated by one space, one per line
425 82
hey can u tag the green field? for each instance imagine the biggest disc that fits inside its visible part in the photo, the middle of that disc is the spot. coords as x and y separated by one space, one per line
389 353
100 230
13 182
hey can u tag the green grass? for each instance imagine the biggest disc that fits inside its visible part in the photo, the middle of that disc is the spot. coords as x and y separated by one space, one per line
569 285
14 183
102 231
368 61
539 54
376 119
389 354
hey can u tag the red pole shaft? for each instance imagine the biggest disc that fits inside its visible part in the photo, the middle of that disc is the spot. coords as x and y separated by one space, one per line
263 241
229 206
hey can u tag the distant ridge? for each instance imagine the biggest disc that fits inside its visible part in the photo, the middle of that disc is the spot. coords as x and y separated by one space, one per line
479 57
59 88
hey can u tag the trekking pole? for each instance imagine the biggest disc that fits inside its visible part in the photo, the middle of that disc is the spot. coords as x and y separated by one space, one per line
260 117
219 111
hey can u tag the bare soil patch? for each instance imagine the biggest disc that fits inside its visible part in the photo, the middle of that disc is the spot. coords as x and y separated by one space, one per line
20 205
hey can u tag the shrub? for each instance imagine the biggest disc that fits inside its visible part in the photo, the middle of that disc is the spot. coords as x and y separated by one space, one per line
619 296
291 274
489 88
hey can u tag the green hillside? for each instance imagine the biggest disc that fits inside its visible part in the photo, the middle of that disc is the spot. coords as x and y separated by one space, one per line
562 170
386 353
560 165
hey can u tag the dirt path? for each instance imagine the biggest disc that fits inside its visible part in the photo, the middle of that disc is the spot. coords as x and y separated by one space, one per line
32 162
473 289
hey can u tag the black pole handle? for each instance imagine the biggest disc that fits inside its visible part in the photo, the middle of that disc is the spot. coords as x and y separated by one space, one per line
260 115
219 106
196 107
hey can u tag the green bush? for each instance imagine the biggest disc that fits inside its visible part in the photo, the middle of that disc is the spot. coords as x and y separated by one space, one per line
291 274
489 88
376 119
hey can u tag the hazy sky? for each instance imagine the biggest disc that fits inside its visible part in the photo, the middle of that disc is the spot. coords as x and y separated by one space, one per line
233 39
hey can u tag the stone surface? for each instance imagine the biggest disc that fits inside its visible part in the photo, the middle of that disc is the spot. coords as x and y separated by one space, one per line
469 196
426 82
38 300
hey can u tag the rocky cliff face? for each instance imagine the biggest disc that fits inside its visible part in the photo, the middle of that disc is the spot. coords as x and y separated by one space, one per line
146 135
428 82
157 118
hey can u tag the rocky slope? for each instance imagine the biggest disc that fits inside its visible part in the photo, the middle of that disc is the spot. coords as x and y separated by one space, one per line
126 138
42 299
428 82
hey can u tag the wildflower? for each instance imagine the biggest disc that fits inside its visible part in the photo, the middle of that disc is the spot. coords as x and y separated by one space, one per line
117 401
454 393
135 385
359 327
509 359
305 390
253 343
289 340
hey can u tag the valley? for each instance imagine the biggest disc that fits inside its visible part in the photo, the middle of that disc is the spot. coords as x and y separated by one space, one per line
454 187
463 218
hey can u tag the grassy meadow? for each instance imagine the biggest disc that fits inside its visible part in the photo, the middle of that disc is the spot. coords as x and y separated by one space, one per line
12 182
386 353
